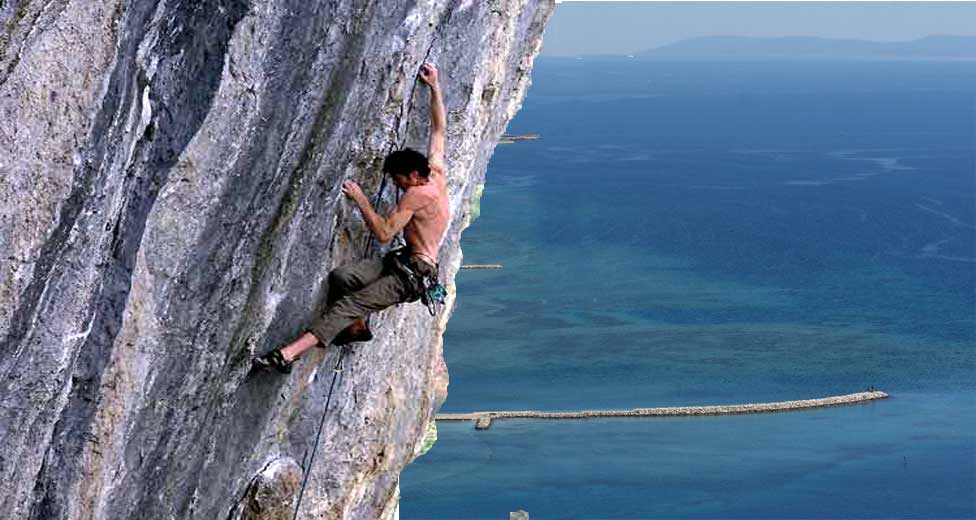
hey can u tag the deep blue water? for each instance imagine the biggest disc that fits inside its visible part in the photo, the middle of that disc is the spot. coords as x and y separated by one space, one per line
709 233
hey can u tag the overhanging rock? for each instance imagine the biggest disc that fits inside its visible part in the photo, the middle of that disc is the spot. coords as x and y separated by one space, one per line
170 179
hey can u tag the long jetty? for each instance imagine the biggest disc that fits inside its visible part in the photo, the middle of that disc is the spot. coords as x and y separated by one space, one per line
483 419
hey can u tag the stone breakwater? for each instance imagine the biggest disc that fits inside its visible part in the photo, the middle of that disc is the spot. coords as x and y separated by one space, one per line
171 204
483 419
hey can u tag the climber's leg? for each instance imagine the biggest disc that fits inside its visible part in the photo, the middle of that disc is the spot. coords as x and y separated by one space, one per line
388 290
303 343
343 280
349 278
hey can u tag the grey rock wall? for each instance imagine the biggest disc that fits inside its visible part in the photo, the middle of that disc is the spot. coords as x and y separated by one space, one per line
170 205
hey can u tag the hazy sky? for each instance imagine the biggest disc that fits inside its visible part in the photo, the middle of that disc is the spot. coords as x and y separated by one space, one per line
601 27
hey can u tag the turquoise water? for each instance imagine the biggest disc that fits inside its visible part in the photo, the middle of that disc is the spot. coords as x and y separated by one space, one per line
900 459
711 233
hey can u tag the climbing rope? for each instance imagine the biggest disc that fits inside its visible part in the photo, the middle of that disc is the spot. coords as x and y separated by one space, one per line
335 374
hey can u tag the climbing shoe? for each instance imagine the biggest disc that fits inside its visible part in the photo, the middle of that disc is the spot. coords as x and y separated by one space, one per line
356 331
274 359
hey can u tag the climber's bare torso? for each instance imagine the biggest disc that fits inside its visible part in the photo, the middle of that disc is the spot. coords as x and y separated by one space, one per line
426 228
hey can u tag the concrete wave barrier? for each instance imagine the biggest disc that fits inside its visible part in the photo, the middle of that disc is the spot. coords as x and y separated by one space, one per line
483 419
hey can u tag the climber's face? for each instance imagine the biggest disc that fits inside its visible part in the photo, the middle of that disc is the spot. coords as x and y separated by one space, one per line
411 179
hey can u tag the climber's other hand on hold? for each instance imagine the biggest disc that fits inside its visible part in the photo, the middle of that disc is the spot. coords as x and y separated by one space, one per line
428 74
353 191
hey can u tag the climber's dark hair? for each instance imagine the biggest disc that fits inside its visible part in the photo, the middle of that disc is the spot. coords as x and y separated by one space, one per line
402 162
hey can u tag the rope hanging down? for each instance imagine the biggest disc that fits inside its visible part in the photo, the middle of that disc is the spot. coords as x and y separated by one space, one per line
308 470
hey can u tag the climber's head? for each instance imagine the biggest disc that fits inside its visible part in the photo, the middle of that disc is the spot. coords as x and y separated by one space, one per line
407 167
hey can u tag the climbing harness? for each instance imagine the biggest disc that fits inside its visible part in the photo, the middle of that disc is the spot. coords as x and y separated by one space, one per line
429 289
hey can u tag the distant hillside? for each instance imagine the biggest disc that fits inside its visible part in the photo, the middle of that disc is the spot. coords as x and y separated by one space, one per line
812 47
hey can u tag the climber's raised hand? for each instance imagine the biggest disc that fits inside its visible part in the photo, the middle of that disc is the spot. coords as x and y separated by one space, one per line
438 117
428 74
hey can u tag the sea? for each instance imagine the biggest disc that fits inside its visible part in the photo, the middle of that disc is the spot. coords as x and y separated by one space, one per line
704 233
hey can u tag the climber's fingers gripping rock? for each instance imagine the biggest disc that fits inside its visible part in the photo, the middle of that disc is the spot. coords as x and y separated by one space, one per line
352 190
428 74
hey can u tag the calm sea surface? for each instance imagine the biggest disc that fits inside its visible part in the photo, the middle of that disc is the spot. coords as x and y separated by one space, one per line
713 233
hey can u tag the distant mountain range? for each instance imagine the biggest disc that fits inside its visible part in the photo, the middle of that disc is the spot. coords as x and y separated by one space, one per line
954 47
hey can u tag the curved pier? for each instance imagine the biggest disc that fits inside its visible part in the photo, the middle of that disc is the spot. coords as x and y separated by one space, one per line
483 419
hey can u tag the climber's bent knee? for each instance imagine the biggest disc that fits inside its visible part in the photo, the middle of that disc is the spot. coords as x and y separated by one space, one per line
325 330
340 276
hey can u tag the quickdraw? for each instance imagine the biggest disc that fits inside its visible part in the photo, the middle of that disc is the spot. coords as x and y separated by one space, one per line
434 293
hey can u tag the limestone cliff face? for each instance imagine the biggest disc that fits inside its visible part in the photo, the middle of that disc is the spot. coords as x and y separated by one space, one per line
170 177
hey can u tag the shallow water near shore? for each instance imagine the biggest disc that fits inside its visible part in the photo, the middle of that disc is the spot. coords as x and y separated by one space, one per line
699 234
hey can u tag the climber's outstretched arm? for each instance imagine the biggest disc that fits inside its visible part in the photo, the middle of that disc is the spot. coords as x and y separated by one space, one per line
438 117
385 228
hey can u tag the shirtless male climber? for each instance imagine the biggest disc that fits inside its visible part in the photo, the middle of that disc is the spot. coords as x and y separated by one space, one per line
370 285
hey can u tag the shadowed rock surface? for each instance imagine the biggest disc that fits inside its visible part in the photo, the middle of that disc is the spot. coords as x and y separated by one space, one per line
170 205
